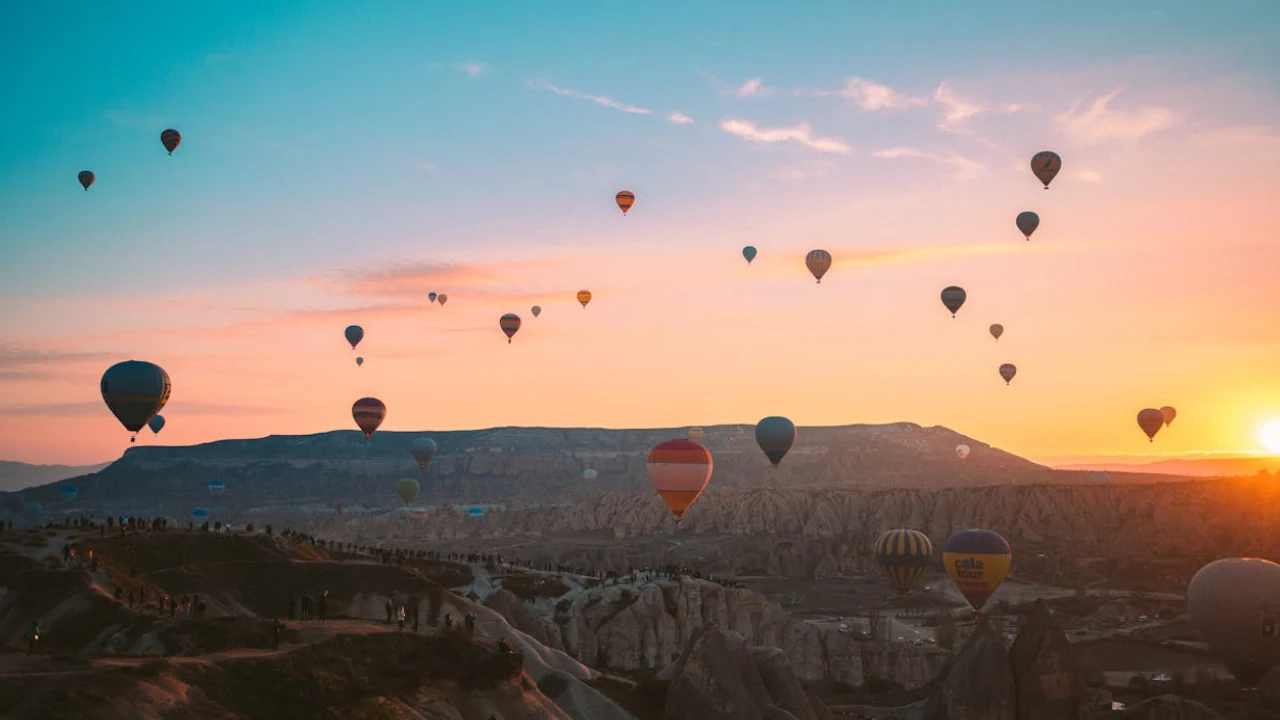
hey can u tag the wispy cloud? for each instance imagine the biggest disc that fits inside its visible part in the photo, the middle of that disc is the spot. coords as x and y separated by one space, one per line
88 409
754 88
965 168
1099 122
801 134
956 110
679 118
597 99
871 95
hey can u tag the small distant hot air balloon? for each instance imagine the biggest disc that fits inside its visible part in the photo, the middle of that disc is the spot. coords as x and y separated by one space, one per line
1046 165
68 492
368 414
135 391
977 561
584 297
199 514
679 470
625 200
905 555
1027 223
997 330
589 474
171 139
424 448
749 252
442 299
475 511
510 324
962 451
359 361
818 262
695 434
536 310
431 296
1007 371
216 487
953 298
775 435
1169 414
354 334
407 489
1100 476
1151 420
156 424
1234 604
86 178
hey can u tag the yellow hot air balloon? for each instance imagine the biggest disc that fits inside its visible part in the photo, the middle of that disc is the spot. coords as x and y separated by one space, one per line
904 555
977 562
695 433
584 297
818 262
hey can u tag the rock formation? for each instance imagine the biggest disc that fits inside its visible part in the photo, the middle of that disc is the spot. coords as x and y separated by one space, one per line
979 683
1050 681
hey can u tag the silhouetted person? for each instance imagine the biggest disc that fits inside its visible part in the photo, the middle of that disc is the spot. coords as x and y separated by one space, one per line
389 608
293 602
33 636
324 601
400 617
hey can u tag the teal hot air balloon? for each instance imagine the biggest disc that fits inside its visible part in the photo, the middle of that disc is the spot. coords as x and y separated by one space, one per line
216 487
775 435
68 492
354 334
424 448
953 298
749 252
156 424
1027 223
432 296
199 515
475 511
135 391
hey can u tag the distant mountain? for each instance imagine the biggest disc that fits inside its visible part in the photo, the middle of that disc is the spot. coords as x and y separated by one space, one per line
16 475
1195 467
516 466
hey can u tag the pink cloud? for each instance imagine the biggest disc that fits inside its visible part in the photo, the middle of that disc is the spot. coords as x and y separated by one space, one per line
801 134
597 99
680 118
1099 122
871 95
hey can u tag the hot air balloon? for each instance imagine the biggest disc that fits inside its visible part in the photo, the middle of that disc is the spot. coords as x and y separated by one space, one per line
1168 414
369 414
199 514
536 310
1027 222
1100 476
156 424
510 324
442 299
1046 166
407 489
962 451
431 296
625 200
424 448
904 555
953 298
171 139
216 487
977 561
1007 371
818 262
359 361
679 470
354 334
86 178
68 492
589 474
475 511
749 252
134 392
1151 420
584 297
695 434
997 330
775 435
1235 605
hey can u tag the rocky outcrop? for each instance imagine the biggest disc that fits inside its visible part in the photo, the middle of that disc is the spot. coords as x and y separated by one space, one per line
979 684
721 677
1050 681
1170 707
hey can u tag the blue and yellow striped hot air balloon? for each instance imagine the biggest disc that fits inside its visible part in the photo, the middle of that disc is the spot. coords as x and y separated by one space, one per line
904 555
977 561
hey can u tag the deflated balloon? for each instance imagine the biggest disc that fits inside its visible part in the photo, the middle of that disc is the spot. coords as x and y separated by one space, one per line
86 178
818 262
135 391
156 424
68 492
1007 371
997 330
749 252
904 555
407 489
424 448
977 561
625 200
536 310
442 299
962 451
216 487
584 297
1046 165
775 435
1169 414
1234 604
368 414
589 474
1150 420
171 139
679 470
354 334
1027 222
953 297
510 324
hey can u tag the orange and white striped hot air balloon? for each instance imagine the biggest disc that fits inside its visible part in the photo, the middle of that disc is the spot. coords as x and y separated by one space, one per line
368 414
625 200
679 470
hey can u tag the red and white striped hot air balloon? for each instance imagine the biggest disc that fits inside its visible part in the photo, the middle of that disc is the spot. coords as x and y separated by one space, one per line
679 470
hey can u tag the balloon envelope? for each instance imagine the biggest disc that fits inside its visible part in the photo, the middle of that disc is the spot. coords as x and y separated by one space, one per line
589 474
216 487
962 451
1168 414
407 489
1007 371
1027 222
1100 476
904 555
1150 420
199 514
171 139
1046 165
431 296
359 361
775 435
818 262
625 200
695 434
442 299
86 178
977 561
997 330
1235 605
354 334
68 492
749 252
510 324
135 391
953 297
368 414
679 470
156 424
536 310
584 297
475 511
424 449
